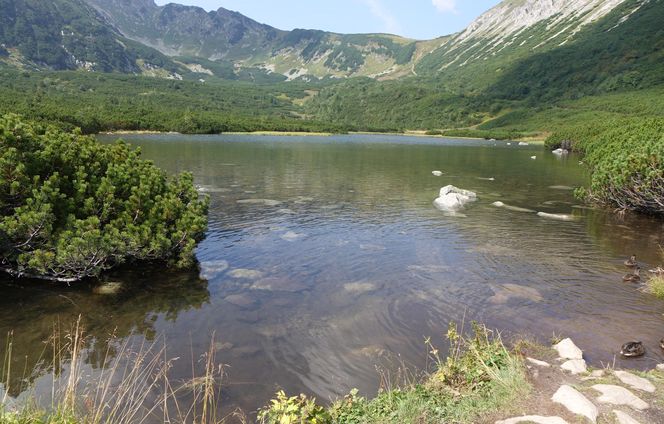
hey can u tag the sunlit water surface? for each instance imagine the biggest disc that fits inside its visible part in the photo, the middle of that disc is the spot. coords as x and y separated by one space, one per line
339 265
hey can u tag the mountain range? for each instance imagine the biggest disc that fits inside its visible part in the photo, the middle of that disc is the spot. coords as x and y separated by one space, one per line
173 41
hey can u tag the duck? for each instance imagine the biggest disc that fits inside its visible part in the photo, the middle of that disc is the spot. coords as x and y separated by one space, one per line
634 277
632 349
631 262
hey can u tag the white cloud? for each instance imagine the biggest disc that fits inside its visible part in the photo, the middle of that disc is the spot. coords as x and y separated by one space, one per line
445 6
379 11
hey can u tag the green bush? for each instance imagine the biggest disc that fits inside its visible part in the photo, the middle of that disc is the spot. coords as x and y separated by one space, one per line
71 207
626 161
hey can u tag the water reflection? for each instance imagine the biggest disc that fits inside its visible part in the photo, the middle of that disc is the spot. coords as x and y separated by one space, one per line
34 312
326 255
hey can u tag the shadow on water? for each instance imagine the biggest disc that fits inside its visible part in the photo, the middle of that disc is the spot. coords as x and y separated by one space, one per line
33 312
325 258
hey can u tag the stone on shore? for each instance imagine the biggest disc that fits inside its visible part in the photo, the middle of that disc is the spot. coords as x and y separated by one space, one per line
660 367
538 362
568 350
635 382
616 395
576 403
624 418
575 366
533 419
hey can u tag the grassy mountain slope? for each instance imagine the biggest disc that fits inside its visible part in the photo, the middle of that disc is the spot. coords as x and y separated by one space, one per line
224 35
69 34
606 56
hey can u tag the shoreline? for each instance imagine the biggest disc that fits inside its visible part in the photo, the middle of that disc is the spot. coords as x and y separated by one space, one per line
408 133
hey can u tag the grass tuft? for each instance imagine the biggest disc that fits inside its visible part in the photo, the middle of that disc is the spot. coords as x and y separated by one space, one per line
479 376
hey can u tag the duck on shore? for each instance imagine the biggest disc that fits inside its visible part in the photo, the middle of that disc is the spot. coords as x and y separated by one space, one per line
632 349
631 262
634 277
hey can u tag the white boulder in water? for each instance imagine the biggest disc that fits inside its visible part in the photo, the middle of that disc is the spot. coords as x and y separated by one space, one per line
437 173
452 198
523 143
533 157
560 152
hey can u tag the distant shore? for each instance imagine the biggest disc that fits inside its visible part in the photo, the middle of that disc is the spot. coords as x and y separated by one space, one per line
408 133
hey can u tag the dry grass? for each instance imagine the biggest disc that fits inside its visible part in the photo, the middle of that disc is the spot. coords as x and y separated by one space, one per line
133 386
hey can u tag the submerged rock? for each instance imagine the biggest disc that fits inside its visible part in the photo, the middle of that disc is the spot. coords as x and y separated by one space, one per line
240 300
560 152
248 274
511 208
360 287
556 216
452 198
523 143
108 288
211 269
292 236
279 284
505 292
212 189
264 202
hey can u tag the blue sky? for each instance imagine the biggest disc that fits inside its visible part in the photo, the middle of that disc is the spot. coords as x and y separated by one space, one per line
420 19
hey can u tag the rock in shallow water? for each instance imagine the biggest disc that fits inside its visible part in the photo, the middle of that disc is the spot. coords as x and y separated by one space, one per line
248 274
279 284
264 202
360 287
292 236
452 198
241 300
108 288
556 216
211 269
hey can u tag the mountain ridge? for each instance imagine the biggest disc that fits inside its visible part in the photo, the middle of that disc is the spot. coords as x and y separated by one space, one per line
177 41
